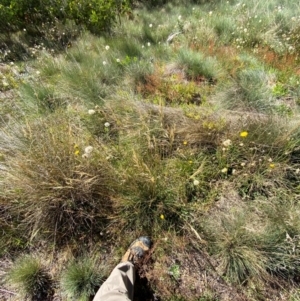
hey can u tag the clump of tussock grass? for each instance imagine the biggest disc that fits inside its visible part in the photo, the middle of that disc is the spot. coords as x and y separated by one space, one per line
92 81
137 71
31 278
127 48
150 190
232 239
41 99
224 27
148 187
85 85
200 35
61 189
157 182
87 73
242 242
148 35
250 91
50 68
81 279
198 66
280 238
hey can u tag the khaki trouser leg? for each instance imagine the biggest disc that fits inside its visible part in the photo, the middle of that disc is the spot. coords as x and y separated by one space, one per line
119 285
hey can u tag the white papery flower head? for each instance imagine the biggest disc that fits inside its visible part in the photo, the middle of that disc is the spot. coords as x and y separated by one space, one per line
196 182
88 149
227 142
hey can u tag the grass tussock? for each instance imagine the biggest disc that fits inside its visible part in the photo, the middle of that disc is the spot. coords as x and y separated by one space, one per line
31 279
198 66
56 180
236 246
81 279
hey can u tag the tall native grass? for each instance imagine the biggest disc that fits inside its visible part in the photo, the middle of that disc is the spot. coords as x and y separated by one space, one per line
57 177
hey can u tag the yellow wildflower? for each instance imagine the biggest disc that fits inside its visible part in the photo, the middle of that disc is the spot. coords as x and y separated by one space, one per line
190 162
272 165
185 142
77 152
162 216
244 134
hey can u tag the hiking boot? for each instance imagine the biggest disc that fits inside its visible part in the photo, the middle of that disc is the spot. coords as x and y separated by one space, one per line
137 249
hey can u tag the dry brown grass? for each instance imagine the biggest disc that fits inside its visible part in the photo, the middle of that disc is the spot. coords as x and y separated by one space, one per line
57 192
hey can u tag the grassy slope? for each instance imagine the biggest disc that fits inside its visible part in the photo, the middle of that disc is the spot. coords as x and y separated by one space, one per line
194 142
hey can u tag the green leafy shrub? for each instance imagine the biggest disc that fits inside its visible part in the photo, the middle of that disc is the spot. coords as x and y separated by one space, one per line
31 279
96 15
6 17
30 14
81 279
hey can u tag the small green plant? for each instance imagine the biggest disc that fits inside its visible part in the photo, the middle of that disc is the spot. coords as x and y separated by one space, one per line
174 271
81 279
31 279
